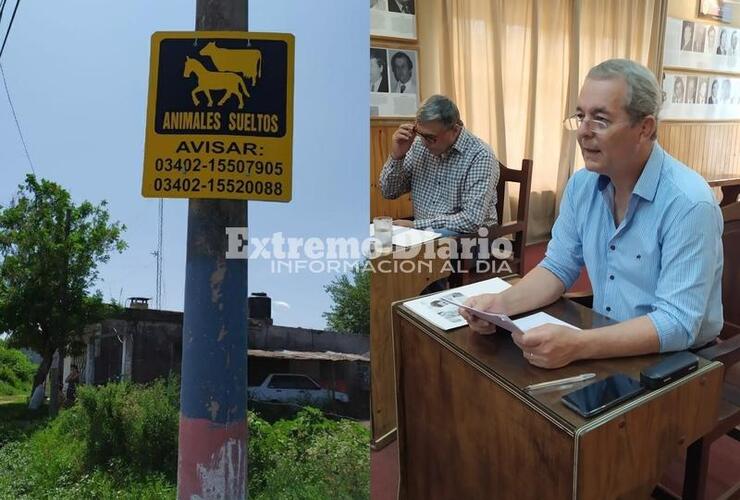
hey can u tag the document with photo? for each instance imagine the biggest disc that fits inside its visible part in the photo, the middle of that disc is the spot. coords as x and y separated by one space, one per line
436 309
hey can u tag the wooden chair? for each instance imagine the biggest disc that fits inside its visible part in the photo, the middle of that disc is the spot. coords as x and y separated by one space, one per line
727 350
467 269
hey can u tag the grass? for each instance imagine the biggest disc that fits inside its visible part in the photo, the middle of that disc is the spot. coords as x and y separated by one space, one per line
45 459
17 421
18 398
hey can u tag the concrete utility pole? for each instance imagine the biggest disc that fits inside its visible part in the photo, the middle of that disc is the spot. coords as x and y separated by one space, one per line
212 451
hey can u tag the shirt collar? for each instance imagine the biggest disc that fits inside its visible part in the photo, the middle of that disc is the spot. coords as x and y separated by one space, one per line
376 83
647 184
461 142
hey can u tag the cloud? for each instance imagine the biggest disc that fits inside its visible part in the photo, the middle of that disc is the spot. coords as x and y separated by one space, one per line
281 303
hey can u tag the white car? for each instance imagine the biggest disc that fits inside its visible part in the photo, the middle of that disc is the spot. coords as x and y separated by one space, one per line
290 387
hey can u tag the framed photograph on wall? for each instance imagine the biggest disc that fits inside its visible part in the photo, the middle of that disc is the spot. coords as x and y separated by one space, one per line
394 82
393 19
712 9
701 46
700 96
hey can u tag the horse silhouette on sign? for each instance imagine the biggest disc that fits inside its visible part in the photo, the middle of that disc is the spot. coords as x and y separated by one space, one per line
214 80
246 62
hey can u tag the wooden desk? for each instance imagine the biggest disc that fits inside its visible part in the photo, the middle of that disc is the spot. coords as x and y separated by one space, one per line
466 429
386 288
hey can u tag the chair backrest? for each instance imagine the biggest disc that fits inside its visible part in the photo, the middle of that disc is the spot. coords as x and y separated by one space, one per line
731 271
518 227
524 178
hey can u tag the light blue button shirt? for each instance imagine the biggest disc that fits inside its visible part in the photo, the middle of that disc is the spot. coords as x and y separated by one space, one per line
665 258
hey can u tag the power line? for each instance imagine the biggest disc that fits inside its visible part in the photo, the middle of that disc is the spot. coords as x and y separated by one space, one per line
15 117
12 18
2 8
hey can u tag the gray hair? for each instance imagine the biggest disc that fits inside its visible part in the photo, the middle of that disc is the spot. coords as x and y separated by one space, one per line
439 108
644 96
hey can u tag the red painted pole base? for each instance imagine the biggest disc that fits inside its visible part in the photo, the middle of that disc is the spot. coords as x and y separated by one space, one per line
212 460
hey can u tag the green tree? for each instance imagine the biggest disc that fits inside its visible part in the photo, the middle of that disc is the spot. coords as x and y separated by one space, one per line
350 293
50 249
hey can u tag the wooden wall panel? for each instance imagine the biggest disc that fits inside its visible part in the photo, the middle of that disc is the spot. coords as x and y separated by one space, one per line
712 149
380 146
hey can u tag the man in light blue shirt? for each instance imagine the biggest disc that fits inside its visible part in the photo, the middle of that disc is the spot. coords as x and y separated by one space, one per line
647 228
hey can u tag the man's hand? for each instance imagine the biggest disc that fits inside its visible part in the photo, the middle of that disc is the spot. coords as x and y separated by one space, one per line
488 302
403 223
403 138
550 346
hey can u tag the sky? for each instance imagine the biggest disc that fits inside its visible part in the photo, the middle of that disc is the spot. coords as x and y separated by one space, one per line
77 72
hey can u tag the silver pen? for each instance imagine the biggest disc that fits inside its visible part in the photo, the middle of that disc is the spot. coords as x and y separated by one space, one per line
569 380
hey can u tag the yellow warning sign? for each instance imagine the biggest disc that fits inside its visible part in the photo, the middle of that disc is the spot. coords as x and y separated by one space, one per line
220 116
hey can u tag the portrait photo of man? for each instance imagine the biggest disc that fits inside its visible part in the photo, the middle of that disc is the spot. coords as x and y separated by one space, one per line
714 93
734 39
401 6
724 96
700 31
687 36
403 79
701 93
724 45
709 47
690 97
678 90
378 70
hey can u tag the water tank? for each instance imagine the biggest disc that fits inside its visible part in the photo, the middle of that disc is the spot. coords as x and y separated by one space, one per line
260 306
138 302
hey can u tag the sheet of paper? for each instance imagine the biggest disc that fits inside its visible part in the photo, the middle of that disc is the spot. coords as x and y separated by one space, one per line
501 320
538 319
408 236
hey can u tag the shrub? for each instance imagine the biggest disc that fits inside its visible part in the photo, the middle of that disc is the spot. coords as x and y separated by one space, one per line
49 459
16 371
308 457
132 423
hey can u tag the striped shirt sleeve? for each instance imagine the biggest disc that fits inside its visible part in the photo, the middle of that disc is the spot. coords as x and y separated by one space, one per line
564 255
688 259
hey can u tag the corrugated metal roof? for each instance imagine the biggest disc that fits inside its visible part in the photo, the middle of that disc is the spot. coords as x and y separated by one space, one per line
308 355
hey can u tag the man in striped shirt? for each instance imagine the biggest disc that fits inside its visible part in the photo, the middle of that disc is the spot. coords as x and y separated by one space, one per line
450 173
647 228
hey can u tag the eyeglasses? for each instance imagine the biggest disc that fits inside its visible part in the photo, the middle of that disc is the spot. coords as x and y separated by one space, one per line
432 138
574 122
595 125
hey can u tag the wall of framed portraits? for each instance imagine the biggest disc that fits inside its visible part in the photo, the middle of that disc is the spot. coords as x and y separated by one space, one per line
395 89
700 120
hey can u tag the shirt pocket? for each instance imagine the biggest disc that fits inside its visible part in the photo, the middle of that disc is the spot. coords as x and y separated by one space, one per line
640 269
